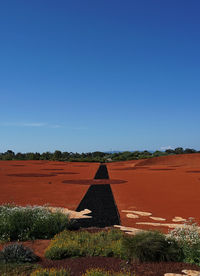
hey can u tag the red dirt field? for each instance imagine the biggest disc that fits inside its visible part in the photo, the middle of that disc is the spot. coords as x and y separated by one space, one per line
41 182
165 186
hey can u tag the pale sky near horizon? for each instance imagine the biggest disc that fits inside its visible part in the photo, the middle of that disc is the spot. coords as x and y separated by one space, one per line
105 75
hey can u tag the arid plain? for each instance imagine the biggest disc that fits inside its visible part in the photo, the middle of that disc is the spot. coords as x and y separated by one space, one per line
156 193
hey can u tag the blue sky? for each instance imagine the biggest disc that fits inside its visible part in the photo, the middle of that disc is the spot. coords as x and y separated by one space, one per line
87 75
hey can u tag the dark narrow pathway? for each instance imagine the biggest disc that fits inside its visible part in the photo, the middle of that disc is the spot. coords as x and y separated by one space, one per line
99 199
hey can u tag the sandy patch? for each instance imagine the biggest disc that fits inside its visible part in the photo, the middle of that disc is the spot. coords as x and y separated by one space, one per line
191 272
157 218
173 274
140 213
178 219
169 225
187 273
132 216
128 230
70 213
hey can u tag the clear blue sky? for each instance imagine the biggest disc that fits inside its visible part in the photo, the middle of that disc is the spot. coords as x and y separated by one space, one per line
85 75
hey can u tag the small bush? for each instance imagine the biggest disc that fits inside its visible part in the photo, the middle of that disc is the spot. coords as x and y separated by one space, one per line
100 272
96 272
77 244
188 239
152 246
25 223
17 253
50 272
14 269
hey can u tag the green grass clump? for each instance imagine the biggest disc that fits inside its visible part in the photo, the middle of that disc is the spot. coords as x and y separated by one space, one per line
78 244
152 246
31 222
50 272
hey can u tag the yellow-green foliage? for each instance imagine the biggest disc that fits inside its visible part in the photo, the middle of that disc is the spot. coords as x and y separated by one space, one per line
97 272
50 272
69 244
100 272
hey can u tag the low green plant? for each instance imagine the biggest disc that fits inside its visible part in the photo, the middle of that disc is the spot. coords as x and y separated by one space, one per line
77 244
50 272
100 272
18 253
152 246
188 239
30 222
13 269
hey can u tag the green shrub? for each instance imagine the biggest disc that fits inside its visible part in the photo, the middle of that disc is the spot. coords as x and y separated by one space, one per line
24 223
71 244
100 272
18 253
50 272
188 239
96 272
14 269
152 246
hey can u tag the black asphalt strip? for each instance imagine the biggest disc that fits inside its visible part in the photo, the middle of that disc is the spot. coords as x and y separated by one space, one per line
100 200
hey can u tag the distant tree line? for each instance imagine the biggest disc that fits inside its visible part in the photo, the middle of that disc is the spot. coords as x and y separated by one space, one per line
96 156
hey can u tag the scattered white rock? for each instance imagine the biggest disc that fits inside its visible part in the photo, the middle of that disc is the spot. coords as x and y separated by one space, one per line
170 225
157 218
191 272
186 273
173 274
178 219
132 216
128 230
140 213
70 213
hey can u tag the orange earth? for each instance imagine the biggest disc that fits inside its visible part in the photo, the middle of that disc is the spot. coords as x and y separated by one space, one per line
163 187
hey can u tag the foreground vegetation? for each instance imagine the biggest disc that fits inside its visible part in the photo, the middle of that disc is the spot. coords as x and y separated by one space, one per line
96 156
80 244
30 222
90 272
24 223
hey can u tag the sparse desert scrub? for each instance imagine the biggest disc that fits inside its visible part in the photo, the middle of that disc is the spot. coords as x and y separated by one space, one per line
30 222
78 244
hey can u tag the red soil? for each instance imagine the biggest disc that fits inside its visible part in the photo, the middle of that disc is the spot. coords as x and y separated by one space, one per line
165 186
94 181
24 182
153 187
150 186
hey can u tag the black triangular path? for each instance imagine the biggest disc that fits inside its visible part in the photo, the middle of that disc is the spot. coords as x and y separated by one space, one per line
99 199
102 173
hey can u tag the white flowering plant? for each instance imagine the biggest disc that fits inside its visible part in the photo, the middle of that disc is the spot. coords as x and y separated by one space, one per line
188 238
30 222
